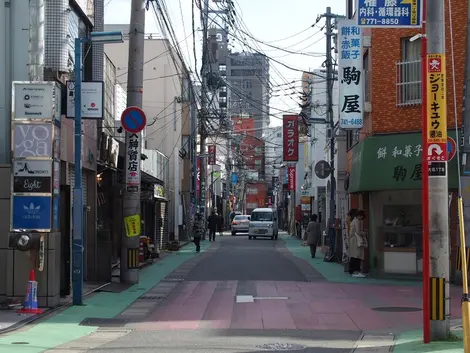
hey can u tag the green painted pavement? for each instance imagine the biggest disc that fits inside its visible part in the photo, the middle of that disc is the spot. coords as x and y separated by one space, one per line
334 272
64 327
410 342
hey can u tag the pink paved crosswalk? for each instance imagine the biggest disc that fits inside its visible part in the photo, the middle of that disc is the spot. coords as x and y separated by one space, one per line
309 306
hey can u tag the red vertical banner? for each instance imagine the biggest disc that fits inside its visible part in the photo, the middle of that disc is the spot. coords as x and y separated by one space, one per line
290 131
291 176
212 151
198 180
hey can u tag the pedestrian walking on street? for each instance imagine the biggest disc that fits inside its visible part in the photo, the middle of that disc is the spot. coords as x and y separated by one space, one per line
212 223
357 245
312 235
221 226
197 232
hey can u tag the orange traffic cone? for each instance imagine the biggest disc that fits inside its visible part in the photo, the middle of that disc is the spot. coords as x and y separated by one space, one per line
31 297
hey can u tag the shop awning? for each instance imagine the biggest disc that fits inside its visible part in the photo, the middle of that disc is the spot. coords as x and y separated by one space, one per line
391 162
149 179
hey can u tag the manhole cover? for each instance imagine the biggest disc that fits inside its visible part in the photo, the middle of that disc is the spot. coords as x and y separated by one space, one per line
281 347
152 297
397 309
103 322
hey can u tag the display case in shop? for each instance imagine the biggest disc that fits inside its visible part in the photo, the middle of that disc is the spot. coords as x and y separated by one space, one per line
399 239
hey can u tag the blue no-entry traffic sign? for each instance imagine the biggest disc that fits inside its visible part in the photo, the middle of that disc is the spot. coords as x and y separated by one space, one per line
133 119
389 13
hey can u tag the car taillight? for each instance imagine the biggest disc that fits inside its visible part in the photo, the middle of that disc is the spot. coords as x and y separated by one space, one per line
235 223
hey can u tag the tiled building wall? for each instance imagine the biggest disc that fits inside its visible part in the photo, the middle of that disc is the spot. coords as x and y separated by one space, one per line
56 31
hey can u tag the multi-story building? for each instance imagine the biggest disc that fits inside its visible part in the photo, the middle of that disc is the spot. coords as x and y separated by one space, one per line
245 80
384 157
166 102
317 143
274 148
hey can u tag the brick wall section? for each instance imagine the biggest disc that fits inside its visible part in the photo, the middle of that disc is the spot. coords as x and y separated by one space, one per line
386 51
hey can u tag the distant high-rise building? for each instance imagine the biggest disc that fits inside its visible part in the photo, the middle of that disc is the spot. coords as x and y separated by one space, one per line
244 89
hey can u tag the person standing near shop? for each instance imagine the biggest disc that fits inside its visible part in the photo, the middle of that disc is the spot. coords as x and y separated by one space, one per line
220 227
312 235
357 245
212 224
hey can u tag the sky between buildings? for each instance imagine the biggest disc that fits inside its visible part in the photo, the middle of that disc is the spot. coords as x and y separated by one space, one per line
270 21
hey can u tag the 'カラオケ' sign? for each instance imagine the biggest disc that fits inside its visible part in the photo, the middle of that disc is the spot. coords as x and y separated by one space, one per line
290 127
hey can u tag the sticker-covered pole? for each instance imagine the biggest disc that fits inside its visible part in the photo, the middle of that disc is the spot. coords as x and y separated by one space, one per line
436 105
77 238
131 198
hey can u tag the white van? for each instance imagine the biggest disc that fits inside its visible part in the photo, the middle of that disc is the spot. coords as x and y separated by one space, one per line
263 223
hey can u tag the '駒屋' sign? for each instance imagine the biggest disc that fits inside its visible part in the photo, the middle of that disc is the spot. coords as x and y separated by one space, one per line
350 73
290 127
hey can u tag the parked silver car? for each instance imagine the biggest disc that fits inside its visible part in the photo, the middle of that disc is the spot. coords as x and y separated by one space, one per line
240 224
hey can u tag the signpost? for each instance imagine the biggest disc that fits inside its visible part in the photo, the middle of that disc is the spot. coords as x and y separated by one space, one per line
451 148
133 120
437 152
389 14
323 169
92 100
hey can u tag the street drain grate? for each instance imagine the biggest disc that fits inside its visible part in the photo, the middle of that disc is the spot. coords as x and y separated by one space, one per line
19 342
152 297
103 322
281 347
397 309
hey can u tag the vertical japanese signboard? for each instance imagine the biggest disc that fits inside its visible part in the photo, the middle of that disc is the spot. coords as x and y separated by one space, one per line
198 178
389 13
350 66
291 175
212 155
436 115
290 129
133 162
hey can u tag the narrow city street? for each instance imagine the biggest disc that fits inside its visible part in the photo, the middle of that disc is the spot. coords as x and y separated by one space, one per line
245 296
241 296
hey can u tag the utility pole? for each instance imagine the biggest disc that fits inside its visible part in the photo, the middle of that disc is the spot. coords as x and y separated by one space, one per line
204 111
438 189
329 118
131 198
228 166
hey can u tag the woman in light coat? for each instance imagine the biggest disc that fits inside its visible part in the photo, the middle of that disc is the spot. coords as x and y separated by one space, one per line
357 245
312 235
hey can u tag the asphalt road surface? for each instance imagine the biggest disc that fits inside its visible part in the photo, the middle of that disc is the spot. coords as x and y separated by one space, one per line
242 296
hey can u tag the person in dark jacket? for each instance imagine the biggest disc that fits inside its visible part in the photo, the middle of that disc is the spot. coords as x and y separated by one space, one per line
212 223
312 235
221 225
197 232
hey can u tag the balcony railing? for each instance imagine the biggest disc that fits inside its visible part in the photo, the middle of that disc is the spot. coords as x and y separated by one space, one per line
408 87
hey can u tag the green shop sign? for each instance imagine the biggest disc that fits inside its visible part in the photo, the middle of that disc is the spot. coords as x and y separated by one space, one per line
391 162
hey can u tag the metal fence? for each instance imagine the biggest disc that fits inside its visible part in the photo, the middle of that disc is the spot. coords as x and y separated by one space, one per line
408 86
